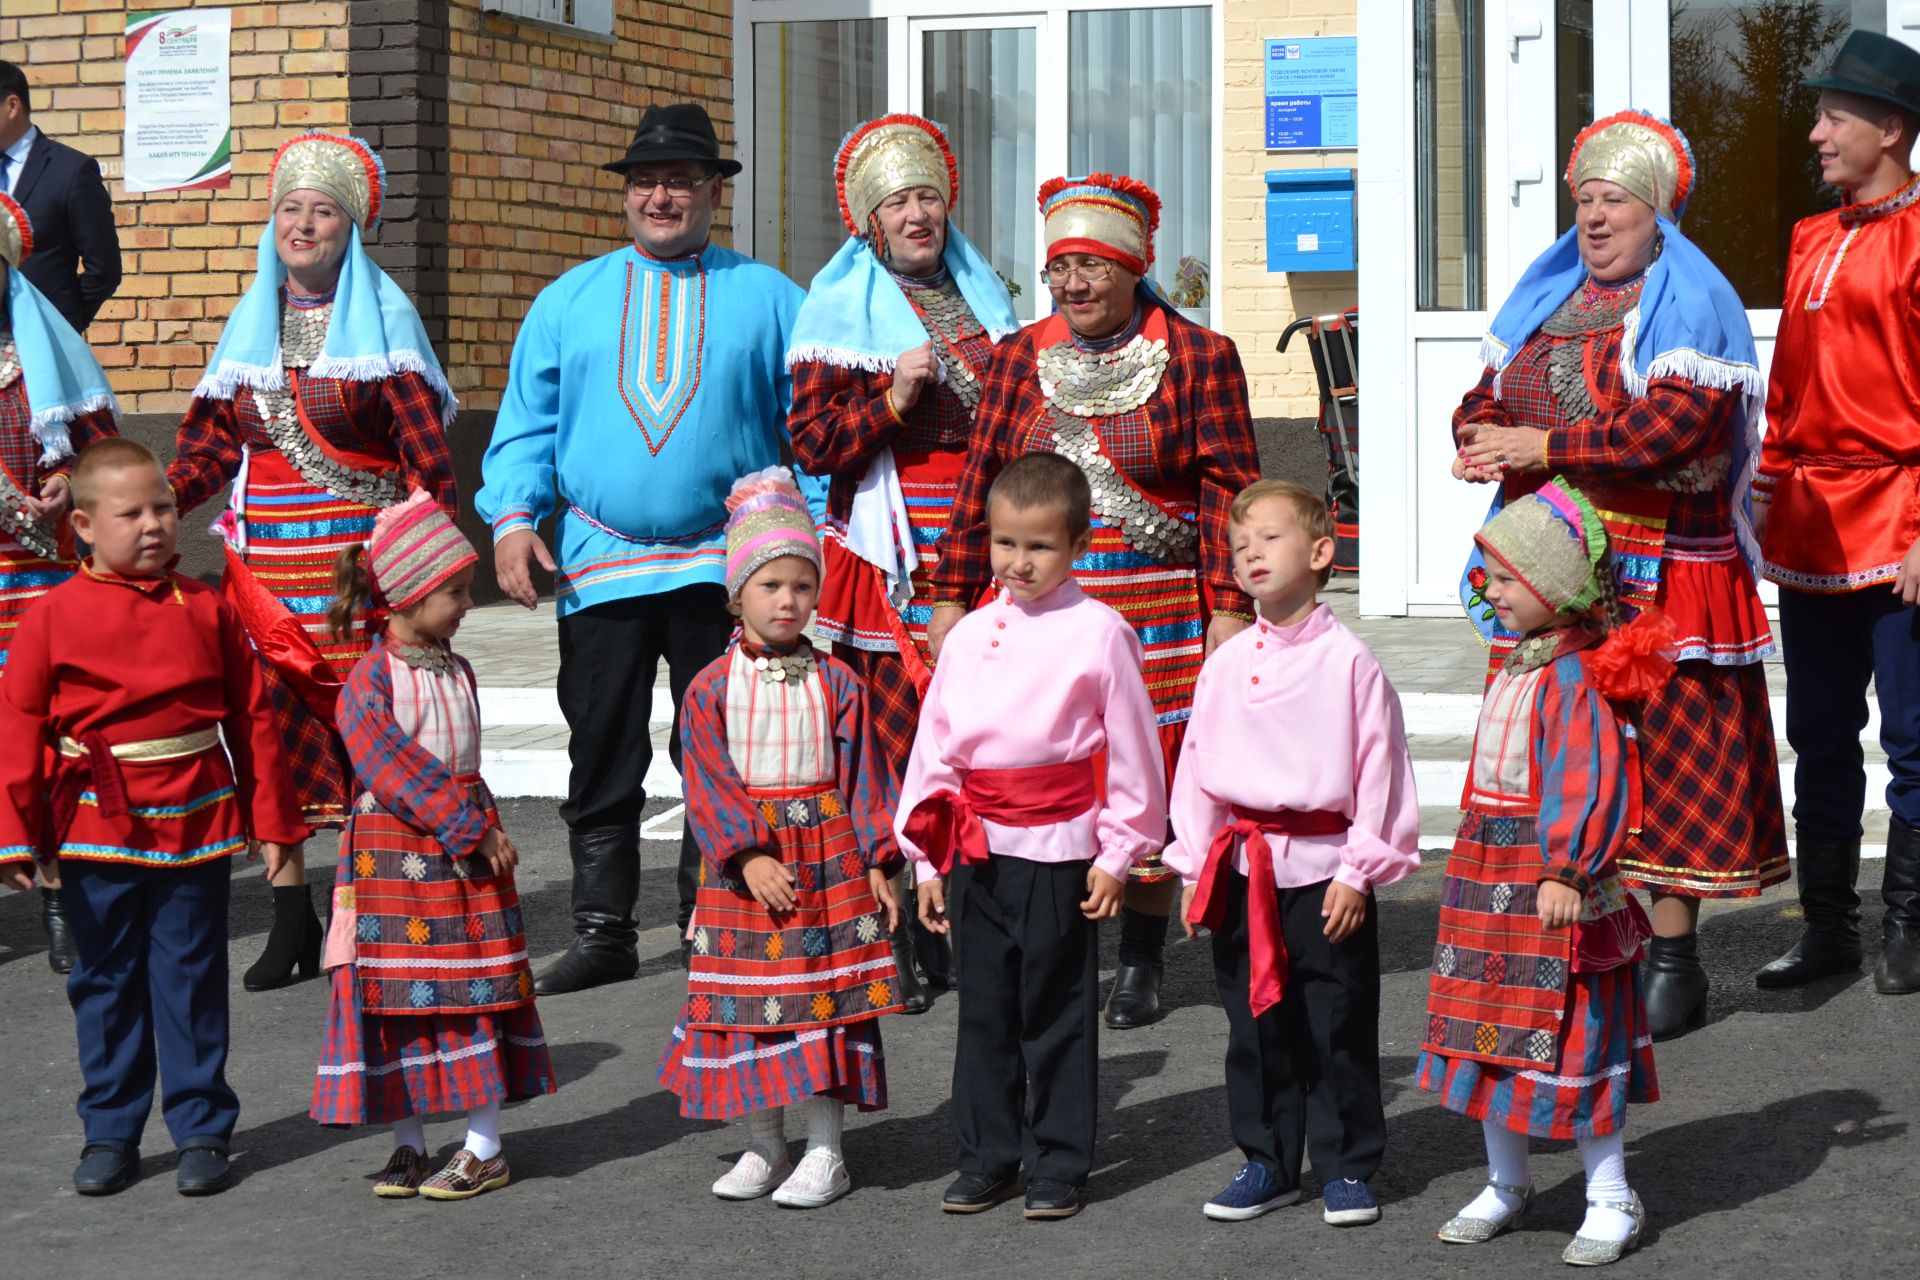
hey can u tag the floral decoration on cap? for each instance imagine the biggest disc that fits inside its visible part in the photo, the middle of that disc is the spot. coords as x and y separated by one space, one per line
1104 214
1640 152
888 155
16 232
767 517
336 165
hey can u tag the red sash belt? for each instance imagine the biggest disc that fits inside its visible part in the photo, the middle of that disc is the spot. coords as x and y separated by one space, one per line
948 821
1266 945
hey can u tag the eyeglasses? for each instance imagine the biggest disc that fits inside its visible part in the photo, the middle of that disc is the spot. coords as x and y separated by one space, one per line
1092 271
678 185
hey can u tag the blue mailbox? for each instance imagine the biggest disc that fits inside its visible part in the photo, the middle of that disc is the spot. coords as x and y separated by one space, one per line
1310 220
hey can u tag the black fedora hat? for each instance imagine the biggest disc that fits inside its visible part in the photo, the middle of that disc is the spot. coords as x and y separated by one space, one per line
677 131
1874 66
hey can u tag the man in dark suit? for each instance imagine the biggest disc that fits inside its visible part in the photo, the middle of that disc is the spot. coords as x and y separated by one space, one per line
76 250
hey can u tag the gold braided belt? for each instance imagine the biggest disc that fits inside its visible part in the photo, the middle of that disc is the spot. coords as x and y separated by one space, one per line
152 749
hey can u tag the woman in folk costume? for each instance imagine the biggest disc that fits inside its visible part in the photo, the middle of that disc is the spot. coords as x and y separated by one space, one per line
432 1000
1154 409
1623 359
888 353
54 402
793 807
323 404
1536 1020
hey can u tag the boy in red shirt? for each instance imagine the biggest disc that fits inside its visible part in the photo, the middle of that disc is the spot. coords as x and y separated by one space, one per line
119 686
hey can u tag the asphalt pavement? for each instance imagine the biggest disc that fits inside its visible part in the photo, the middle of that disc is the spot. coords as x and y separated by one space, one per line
1781 1146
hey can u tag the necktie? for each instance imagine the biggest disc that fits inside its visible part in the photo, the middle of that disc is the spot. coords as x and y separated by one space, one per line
6 162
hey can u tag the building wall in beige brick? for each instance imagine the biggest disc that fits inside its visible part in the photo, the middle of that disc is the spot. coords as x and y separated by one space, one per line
532 113
1255 304
186 256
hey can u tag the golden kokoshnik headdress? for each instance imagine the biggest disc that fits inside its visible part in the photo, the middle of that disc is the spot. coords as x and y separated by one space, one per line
345 168
887 155
1639 152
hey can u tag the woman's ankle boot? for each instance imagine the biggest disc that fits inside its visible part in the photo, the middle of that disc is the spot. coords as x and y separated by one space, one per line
294 942
1676 987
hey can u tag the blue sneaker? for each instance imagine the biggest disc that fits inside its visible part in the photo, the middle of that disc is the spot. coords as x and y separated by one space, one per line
1252 1192
1348 1202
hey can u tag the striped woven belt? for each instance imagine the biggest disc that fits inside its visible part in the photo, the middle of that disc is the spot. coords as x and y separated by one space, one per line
188 744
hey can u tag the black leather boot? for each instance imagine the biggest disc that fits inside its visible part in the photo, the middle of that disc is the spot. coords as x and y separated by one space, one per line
1135 1000
913 996
61 955
1676 987
935 954
606 884
1828 871
1898 972
293 944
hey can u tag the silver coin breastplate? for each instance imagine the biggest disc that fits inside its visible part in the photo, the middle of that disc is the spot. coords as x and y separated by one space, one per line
303 331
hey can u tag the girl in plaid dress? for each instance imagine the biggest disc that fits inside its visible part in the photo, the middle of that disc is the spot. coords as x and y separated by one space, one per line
790 804
432 999
1536 1019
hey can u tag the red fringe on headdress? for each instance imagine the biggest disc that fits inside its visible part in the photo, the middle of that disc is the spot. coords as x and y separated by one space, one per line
1139 190
20 220
1635 662
1682 150
376 175
931 129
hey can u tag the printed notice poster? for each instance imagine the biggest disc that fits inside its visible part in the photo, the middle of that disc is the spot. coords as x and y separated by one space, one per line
1313 93
179 123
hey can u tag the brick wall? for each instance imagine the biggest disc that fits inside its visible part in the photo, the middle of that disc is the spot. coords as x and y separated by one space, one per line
531 115
1257 305
186 255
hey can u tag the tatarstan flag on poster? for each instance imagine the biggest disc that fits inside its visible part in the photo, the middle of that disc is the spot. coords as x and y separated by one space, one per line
179 114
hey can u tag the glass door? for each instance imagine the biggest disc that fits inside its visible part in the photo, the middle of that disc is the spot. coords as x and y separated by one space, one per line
978 77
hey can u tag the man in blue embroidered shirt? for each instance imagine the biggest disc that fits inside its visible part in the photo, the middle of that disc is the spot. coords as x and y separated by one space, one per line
643 383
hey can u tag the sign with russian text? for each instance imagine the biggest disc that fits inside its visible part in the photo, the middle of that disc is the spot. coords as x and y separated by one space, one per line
1313 93
179 114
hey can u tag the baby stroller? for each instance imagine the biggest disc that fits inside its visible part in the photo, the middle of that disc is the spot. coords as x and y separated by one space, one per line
1334 343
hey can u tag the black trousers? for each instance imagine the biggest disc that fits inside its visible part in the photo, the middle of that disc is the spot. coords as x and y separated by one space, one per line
1832 646
1304 1077
1029 983
609 655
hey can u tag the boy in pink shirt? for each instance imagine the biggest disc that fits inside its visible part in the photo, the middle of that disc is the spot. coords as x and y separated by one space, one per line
1006 792
1293 801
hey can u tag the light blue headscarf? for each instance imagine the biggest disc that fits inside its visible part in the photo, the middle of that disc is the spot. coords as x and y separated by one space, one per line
855 315
63 379
374 332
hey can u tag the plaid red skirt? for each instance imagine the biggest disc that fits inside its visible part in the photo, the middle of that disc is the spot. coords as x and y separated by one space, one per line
1712 825
376 1070
1605 1061
295 533
720 1075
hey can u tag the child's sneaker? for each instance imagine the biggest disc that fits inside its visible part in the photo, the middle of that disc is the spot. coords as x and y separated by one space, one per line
1252 1192
817 1181
1348 1202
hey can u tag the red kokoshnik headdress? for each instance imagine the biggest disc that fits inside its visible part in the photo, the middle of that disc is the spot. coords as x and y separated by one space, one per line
1104 214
